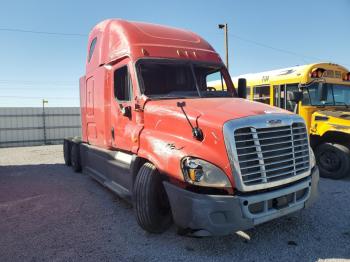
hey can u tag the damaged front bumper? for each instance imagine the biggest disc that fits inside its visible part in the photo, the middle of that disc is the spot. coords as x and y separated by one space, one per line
223 214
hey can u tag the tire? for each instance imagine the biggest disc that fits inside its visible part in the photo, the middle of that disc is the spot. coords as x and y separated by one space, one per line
333 160
75 157
66 152
152 207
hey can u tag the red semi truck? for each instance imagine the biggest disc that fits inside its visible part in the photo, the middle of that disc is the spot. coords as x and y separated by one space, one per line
156 134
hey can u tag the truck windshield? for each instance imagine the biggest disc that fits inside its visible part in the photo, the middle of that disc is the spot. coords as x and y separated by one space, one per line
173 79
337 95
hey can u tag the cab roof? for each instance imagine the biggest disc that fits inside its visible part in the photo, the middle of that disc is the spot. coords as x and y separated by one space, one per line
116 38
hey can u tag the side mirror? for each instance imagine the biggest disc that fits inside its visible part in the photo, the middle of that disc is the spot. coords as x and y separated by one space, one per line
295 96
242 88
323 91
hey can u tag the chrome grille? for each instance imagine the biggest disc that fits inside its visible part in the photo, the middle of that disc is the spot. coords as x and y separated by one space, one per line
270 154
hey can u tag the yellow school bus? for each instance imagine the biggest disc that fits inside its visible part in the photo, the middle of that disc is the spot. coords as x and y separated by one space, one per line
320 93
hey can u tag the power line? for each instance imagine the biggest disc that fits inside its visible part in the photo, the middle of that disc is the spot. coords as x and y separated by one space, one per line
41 32
277 49
39 97
37 82
33 86
274 48
18 84
37 88
28 86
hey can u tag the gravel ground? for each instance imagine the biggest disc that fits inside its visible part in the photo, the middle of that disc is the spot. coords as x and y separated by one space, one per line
50 213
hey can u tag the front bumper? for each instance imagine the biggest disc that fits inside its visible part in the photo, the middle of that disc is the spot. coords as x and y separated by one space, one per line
222 215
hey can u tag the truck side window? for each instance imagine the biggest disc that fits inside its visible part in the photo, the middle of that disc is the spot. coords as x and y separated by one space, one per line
262 94
212 76
122 84
211 81
92 47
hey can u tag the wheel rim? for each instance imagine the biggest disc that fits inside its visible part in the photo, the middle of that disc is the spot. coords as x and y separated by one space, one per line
330 161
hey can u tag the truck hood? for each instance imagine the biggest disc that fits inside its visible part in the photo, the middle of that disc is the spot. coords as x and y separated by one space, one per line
167 136
209 111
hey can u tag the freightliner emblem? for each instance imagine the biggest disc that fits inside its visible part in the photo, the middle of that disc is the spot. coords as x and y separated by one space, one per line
274 122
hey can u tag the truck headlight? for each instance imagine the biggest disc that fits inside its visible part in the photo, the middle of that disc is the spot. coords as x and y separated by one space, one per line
312 158
202 173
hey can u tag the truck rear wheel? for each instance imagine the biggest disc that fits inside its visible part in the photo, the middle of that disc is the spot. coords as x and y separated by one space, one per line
152 207
75 157
66 152
333 160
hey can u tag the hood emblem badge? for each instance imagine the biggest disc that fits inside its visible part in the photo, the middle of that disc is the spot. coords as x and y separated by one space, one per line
274 122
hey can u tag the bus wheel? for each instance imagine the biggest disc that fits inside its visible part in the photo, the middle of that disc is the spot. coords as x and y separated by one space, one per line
152 207
66 152
333 160
75 157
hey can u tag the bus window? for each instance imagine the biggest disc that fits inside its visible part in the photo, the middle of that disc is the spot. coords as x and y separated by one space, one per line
290 105
262 94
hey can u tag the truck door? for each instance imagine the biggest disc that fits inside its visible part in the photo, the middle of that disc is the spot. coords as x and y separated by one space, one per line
124 131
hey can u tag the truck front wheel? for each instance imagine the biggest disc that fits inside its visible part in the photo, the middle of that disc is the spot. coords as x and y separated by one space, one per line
152 207
333 160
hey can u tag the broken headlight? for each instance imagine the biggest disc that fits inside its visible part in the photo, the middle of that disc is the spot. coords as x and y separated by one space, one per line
202 173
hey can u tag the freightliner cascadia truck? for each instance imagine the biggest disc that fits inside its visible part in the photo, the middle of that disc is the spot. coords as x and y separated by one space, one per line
181 151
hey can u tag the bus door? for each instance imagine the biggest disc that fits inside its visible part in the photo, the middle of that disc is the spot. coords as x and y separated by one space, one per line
282 95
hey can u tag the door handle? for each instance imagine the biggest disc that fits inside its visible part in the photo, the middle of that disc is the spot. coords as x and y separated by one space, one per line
112 132
126 111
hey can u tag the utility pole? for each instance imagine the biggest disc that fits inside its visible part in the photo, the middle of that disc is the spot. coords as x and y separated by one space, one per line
224 26
44 124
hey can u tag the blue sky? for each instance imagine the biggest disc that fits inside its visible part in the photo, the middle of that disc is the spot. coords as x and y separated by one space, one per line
35 66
